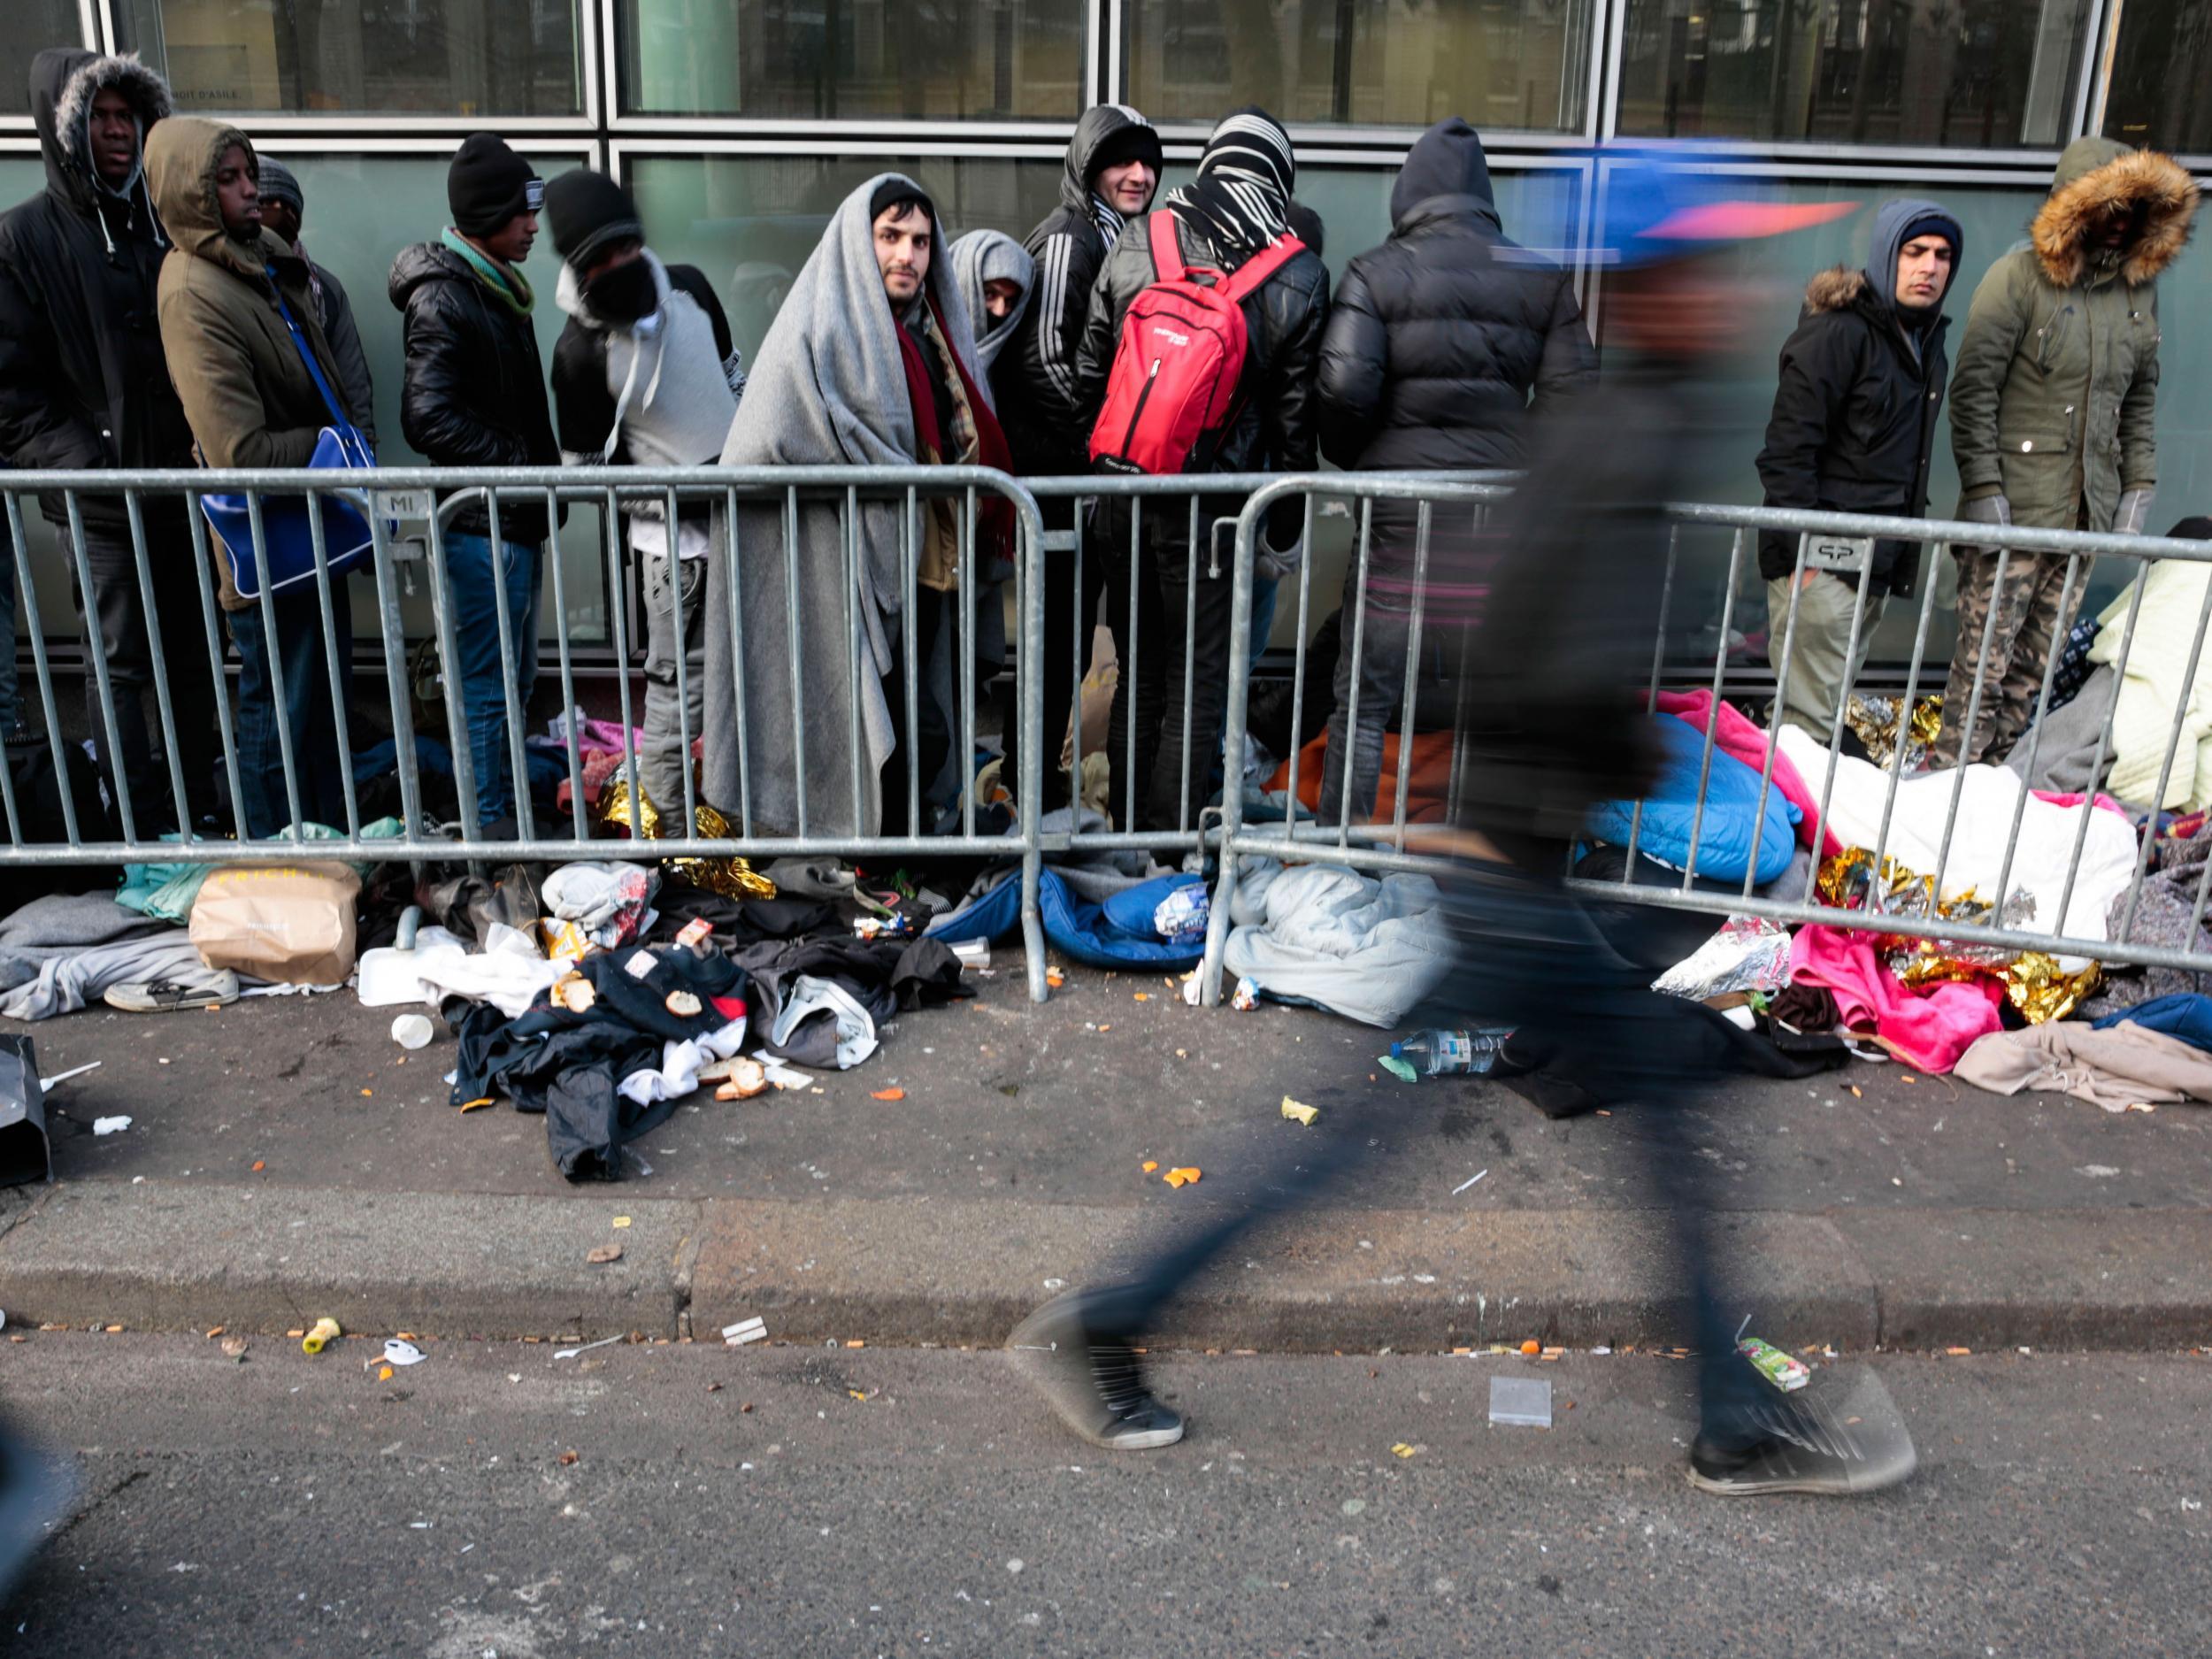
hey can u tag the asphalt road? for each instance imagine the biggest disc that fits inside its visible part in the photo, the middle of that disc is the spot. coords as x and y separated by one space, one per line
496 1501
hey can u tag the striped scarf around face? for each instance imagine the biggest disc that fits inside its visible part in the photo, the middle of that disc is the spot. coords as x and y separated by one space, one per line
1246 175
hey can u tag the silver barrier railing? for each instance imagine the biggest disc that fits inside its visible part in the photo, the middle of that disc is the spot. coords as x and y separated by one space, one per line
1824 542
826 504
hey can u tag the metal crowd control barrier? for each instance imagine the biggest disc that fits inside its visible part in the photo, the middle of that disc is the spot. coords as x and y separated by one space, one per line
801 491
1825 543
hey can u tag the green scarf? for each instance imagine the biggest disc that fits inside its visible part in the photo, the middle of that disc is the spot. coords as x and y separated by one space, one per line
504 280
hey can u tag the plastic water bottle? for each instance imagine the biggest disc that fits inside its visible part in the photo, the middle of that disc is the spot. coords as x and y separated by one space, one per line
1447 1053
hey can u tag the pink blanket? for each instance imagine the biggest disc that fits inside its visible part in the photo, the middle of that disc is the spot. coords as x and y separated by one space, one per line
1743 739
1929 1028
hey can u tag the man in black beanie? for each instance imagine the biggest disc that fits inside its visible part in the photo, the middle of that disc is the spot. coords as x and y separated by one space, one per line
475 397
283 207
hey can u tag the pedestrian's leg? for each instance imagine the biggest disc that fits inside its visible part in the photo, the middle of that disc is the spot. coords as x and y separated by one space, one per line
192 690
1132 597
120 638
308 700
260 758
1381 677
661 758
2043 626
1063 659
1819 642
1195 619
11 714
478 679
1981 604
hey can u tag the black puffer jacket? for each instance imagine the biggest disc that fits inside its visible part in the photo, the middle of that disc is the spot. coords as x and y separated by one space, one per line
474 393
1048 425
1282 319
1441 338
1853 422
83 383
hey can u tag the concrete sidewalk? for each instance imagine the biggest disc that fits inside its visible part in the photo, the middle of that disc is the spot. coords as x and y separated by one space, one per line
1916 1212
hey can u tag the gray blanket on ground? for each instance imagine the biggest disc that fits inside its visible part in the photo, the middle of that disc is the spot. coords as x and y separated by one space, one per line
47 983
70 921
827 388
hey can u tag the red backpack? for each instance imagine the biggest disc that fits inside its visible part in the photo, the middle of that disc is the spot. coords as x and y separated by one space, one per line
1173 385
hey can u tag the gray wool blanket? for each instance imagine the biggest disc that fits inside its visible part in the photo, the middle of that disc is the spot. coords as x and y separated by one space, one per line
827 388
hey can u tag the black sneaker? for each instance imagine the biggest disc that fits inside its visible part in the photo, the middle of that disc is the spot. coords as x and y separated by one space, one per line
1096 1383
1842 1444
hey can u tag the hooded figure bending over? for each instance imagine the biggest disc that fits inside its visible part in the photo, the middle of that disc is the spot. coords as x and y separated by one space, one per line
871 362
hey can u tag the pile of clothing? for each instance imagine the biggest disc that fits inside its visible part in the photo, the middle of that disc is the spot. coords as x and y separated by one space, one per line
600 993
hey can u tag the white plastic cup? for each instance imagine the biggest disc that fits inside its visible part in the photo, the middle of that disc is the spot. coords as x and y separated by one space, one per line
412 1031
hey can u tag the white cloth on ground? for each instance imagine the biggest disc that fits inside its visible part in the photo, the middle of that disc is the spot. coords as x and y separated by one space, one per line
509 972
1368 949
1987 796
681 1064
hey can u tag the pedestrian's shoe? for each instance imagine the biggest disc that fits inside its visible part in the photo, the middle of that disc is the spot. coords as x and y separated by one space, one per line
1096 1383
1844 1447
158 996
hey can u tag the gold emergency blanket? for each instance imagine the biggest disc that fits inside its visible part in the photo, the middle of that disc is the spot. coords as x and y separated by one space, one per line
731 878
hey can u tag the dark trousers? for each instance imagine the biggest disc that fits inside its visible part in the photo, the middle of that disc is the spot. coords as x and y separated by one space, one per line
304 705
119 606
1529 958
922 752
1070 607
1172 711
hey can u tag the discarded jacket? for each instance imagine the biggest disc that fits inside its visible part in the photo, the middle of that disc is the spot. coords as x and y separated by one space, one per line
600 1077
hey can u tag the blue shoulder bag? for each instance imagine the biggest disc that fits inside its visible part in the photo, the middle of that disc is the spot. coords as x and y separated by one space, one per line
287 556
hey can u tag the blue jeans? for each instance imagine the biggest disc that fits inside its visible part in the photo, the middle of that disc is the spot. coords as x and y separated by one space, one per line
9 713
307 711
483 676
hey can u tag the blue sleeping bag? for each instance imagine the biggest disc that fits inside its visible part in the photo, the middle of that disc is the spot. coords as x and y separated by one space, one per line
1116 934
1725 836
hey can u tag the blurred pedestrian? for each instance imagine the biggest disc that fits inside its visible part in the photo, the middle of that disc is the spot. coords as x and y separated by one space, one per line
2054 407
1852 428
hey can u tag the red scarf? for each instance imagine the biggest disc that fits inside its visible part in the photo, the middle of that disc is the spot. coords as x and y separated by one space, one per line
994 518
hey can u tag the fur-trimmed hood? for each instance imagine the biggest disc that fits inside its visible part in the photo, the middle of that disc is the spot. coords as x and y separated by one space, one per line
2095 174
64 82
1835 290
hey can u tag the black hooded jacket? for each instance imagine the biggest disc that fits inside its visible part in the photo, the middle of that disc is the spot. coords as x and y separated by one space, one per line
1446 343
1854 414
1273 428
83 383
1040 405
474 392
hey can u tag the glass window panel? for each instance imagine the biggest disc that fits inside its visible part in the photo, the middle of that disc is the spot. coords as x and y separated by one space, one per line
853 59
750 221
1987 75
1503 65
2160 67
27 27
466 58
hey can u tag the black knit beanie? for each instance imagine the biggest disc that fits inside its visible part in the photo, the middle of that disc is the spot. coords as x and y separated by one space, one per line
586 212
488 184
894 189
1139 140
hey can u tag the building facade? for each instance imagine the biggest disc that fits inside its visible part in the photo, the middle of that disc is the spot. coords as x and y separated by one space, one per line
740 123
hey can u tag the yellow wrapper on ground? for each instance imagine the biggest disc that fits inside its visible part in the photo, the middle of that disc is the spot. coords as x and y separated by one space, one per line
731 878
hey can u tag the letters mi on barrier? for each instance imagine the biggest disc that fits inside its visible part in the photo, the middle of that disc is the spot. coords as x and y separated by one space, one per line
1214 523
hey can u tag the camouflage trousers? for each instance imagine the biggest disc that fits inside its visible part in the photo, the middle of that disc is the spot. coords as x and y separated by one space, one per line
2022 618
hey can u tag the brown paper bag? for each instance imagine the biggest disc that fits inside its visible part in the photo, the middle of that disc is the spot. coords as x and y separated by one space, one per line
292 923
